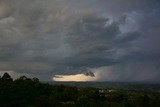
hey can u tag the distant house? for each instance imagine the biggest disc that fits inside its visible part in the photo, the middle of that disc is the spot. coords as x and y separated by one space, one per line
101 91
111 91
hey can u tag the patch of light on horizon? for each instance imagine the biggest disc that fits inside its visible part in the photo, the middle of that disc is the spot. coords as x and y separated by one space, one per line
77 77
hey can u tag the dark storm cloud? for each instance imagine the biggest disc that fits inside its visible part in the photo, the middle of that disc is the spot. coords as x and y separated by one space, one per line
96 43
70 37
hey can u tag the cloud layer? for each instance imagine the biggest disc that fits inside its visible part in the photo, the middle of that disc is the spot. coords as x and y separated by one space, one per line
59 37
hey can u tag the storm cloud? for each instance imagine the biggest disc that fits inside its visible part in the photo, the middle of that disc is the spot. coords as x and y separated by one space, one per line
116 40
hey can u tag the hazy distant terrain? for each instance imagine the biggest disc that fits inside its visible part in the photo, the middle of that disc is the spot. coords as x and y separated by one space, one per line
134 86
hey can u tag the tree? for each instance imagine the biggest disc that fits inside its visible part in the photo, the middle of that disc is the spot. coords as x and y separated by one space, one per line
6 77
23 78
34 79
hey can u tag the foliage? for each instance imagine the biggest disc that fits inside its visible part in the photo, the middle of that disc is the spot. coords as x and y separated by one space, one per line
26 92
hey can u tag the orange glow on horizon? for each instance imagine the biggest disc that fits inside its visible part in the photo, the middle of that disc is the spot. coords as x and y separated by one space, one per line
77 77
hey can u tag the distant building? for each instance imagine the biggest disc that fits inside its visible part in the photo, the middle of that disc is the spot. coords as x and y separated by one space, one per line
101 91
111 91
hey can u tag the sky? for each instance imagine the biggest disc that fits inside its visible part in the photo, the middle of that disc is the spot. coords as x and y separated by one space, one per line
81 40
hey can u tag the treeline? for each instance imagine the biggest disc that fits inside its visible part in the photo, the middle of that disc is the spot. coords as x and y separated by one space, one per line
27 92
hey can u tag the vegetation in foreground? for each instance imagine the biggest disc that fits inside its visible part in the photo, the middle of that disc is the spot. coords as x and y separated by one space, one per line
26 92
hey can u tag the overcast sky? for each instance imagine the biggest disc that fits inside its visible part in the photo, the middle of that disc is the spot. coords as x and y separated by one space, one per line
117 40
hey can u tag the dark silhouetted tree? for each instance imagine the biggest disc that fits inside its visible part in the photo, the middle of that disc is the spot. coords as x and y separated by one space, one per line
23 78
34 79
6 77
